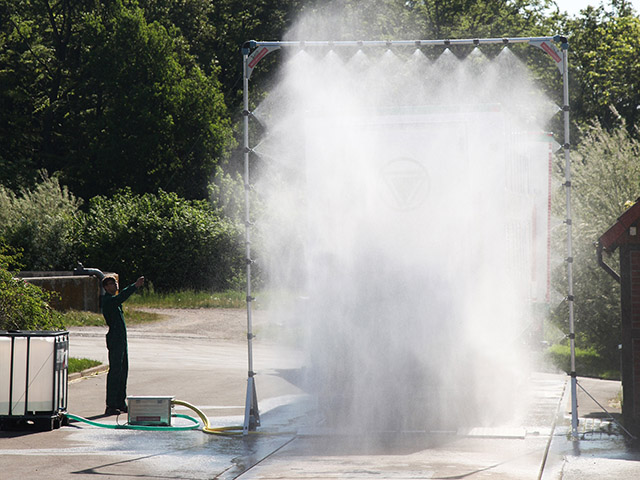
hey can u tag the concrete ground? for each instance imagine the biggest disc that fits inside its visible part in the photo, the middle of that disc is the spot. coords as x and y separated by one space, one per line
603 450
194 357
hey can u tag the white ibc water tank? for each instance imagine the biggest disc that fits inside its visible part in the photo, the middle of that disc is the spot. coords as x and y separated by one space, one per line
33 373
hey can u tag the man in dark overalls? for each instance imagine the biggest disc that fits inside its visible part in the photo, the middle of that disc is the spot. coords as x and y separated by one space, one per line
117 343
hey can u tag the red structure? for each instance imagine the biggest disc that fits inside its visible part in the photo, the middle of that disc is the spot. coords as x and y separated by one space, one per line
625 235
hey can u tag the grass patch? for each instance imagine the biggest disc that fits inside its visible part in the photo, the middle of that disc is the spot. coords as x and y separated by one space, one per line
80 364
135 317
588 362
189 299
151 299
75 318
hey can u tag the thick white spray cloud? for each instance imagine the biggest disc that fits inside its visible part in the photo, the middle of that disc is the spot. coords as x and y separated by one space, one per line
403 200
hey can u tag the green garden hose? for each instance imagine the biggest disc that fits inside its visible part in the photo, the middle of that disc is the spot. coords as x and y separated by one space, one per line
207 428
195 425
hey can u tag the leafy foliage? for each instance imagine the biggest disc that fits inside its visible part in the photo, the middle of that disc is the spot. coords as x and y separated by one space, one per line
167 131
174 243
588 361
236 22
107 94
605 64
137 93
24 306
484 18
606 176
94 91
9 257
42 223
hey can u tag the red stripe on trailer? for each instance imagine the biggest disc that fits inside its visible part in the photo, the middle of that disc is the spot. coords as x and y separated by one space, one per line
547 48
259 56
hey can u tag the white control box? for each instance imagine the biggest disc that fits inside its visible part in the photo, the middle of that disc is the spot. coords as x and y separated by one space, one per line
149 410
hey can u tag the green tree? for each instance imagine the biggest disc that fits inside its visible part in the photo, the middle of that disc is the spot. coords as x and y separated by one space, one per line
194 21
605 178
26 66
484 18
605 65
153 118
107 99
425 19
236 22
215 32
433 19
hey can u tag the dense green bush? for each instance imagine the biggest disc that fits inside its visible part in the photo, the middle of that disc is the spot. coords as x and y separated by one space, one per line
175 243
42 224
24 306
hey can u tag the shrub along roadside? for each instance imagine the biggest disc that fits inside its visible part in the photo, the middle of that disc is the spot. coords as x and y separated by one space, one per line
175 243
24 306
42 224
605 179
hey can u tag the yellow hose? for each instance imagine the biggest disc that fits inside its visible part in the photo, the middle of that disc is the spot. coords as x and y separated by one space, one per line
207 428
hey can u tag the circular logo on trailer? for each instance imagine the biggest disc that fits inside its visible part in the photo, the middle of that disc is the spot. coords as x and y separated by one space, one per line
406 183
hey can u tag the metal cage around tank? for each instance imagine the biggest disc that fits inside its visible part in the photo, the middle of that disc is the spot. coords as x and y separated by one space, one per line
33 379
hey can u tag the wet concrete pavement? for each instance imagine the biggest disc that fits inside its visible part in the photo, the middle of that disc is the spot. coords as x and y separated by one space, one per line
212 375
537 448
603 449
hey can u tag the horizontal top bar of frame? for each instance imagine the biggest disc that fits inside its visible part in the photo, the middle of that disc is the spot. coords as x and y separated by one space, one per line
389 43
34 333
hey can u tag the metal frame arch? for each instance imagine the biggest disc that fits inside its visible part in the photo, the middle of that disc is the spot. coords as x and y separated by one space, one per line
254 51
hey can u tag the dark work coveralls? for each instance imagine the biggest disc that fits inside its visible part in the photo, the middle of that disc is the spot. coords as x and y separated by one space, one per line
117 346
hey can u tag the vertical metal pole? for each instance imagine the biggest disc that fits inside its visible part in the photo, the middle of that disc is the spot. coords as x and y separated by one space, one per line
55 394
13 353
251 415
65 378
26 376
568 221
